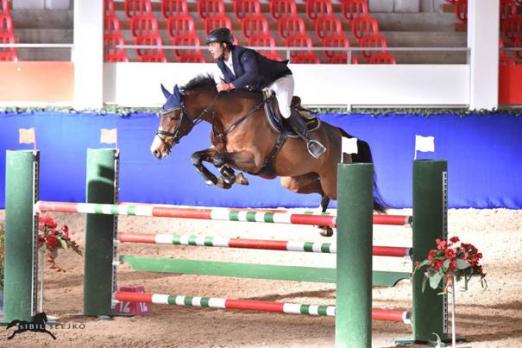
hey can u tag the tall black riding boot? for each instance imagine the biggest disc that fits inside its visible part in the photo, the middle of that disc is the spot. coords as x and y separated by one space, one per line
315 148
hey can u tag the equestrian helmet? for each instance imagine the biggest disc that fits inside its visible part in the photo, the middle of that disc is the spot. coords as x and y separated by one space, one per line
220 35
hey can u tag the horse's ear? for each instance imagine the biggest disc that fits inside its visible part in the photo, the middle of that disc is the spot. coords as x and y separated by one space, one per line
177 91
166 93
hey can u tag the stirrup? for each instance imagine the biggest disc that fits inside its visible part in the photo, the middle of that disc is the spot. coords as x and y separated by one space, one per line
315 148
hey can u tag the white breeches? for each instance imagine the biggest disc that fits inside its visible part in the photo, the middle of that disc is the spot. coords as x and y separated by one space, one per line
284 91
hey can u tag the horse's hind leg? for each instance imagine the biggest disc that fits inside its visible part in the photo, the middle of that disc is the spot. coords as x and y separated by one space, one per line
309 183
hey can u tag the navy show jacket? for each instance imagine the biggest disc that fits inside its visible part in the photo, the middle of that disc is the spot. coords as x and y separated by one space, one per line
252 70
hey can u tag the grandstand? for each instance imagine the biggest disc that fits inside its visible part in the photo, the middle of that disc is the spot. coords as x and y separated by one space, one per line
317 36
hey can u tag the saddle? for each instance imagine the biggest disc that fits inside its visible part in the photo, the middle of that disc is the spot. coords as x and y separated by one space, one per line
276 121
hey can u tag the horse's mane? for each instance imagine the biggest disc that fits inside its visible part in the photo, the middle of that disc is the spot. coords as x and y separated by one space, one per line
203 82
207 83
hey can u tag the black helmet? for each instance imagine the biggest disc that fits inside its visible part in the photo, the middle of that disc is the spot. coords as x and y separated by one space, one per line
220 35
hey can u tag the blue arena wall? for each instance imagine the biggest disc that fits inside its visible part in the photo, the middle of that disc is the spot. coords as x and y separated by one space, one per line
483 154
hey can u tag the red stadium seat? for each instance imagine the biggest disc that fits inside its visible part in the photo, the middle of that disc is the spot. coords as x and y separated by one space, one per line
301 56
382 58
8 54
373 41
327 25
517 44
318 8
512 27
112 52
111 24
504 58
4 6
364 26
137 7
174 8
352 9
143 25
461 10
282 8
254 25
150 54
508 8
218 21
108 8
246 8
290 25
336 41
177 25
6 23
209 8
186 55
265 40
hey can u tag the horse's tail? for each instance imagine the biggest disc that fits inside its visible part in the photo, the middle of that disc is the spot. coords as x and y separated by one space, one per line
364 155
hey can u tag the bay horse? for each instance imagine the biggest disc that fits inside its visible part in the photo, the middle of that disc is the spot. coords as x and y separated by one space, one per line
243 140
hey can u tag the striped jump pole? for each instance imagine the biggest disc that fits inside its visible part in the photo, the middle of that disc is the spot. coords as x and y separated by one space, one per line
242 243
218 214
251 305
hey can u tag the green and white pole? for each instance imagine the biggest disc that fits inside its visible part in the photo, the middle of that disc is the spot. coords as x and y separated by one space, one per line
20 272
430 210
353 325
101 186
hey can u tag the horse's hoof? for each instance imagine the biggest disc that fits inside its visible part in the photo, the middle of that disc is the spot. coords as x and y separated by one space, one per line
241 179
222 183
326 231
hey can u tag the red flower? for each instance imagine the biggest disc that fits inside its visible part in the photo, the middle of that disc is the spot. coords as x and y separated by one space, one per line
441 244
449 253
46 220
51 239
65 231
454 239
437 264
453 264
52 242
442 265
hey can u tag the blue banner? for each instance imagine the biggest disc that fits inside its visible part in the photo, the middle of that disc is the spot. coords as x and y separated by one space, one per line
483 154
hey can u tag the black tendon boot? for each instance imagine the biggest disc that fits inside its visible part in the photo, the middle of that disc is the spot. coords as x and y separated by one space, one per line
315 148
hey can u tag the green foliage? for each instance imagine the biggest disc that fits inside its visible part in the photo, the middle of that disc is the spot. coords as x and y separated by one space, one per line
426 112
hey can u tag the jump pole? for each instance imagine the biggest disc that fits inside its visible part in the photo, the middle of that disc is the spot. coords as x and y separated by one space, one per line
20 272
430 211
353 324
101 186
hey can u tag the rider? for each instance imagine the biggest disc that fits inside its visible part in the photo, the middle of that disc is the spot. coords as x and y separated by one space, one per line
242 67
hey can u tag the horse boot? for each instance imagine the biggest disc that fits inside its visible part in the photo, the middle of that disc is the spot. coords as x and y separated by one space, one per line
298 124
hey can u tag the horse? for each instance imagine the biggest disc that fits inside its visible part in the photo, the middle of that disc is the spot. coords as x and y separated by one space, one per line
242 139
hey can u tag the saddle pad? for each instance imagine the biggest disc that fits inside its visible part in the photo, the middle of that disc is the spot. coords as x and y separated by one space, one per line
276 121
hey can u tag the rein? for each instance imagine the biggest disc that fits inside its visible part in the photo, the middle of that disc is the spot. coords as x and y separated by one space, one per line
231 127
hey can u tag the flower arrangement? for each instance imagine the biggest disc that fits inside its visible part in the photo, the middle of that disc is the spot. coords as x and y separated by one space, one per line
451 261
51 239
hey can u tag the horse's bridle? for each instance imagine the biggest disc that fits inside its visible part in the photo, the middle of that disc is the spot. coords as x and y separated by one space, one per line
185 125
181 131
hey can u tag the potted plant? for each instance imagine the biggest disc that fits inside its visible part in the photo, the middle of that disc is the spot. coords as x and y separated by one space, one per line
450 262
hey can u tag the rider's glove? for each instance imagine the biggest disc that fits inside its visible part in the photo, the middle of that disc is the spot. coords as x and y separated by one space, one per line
224 87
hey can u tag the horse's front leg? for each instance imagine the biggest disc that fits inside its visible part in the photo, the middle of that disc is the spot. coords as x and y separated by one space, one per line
228 176
197 160
241 160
